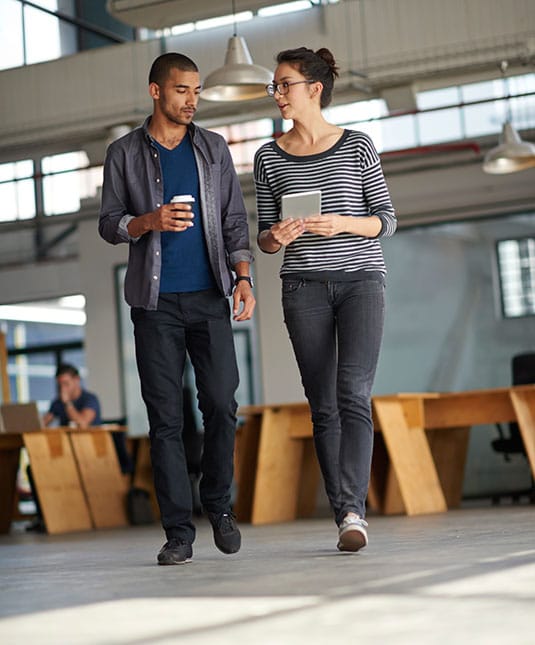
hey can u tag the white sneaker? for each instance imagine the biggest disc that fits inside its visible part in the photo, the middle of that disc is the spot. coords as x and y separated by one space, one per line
352 535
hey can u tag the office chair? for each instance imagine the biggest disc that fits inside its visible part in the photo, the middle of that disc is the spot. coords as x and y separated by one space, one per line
510 440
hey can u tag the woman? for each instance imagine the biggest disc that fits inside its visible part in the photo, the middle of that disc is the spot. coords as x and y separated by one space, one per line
332 273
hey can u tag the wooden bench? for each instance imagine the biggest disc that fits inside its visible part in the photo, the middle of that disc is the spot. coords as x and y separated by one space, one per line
419 456
76 474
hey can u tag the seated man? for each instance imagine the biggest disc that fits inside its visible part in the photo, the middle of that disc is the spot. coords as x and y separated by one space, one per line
74 405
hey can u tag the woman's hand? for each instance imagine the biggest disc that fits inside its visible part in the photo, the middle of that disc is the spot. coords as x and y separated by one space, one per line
326 225
281 234
288 230
331 224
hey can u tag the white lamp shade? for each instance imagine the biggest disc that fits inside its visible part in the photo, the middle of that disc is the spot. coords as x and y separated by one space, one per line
239 79
511 155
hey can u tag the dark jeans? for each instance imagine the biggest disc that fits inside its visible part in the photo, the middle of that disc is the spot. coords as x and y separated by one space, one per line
197 323
336 330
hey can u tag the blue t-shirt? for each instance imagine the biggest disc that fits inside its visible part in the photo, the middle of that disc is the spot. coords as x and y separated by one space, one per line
85 400
185 263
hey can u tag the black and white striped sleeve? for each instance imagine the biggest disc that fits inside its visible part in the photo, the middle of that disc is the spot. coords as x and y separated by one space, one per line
376 190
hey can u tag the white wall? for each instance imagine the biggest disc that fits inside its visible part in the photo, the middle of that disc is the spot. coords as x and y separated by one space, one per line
280 376
39 281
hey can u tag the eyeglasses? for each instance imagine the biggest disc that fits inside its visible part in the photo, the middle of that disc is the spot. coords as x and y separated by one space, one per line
283 88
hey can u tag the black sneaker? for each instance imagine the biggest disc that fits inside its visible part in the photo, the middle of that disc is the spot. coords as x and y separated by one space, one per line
175 551
227 536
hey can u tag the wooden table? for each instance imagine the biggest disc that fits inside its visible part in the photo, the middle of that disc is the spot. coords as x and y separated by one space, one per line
76 474
442 422
419 455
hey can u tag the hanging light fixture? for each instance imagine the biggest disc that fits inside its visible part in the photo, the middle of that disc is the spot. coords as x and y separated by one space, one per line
239 79
512 154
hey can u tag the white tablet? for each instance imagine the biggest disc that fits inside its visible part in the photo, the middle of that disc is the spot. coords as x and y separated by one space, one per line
304 204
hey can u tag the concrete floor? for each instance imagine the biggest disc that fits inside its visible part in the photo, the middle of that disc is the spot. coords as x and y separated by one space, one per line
467 576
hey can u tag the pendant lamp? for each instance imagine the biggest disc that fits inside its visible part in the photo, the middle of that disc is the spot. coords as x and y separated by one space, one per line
512 154
239 79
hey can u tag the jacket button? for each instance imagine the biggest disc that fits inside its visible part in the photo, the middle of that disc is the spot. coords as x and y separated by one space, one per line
155 277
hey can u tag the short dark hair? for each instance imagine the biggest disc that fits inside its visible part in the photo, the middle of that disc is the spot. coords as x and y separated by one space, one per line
67 368
315 66
162 66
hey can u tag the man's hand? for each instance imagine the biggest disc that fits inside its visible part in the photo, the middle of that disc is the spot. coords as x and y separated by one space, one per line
64 394
169 217
243 294
172 217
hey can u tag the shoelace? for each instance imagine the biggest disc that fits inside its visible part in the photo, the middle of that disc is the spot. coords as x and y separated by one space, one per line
174 542
226 523
354 520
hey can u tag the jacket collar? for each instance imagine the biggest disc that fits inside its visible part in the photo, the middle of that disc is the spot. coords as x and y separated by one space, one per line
192 128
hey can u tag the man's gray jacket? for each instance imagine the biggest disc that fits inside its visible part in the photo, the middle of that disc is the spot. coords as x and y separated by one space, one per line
133 185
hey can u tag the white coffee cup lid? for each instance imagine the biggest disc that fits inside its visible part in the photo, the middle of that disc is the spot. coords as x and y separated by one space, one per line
182 199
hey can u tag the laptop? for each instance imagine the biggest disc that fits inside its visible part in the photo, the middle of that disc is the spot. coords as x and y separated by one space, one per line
20 417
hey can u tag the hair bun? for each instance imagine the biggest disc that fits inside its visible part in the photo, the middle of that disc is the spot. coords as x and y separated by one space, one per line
326 55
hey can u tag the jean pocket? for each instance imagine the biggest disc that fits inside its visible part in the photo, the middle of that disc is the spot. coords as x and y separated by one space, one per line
290 286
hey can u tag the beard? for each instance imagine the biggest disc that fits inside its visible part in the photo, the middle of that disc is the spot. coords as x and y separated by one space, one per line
178 117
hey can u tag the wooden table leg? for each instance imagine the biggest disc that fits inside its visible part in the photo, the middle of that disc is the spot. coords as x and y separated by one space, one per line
384 495
101 477
57 482
278 470
245 463
309 480
449 447
524 406
411 459
143 474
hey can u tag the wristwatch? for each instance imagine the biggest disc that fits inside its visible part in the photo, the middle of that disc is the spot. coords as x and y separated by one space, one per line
247 278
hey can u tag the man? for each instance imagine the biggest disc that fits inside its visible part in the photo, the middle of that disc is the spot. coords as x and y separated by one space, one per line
177 283
73 404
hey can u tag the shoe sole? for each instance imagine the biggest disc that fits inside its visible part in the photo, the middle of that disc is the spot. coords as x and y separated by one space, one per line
352 540
171 562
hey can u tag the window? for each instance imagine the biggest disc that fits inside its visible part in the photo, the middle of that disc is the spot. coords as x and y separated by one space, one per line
442 97
11 36
17 191
67 181
440 125
248 137
516 267
41 30
398 132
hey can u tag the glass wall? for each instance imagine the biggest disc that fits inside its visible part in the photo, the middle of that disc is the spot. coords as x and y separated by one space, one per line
39 336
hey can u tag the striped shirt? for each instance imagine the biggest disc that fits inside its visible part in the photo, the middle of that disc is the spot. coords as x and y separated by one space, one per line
352 183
